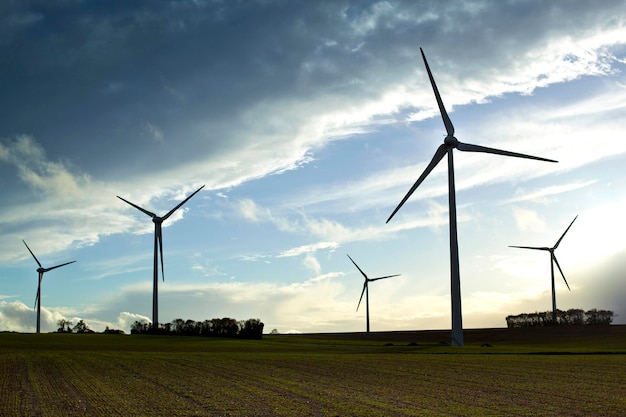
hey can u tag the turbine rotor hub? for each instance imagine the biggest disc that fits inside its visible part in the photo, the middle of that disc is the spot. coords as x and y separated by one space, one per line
451 141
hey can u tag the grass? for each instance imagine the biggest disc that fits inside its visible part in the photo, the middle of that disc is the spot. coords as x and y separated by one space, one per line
538 372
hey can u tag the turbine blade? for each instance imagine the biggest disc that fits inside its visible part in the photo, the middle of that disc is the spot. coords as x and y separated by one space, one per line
159 233
529 247
560 270
563 235
149 213
442 109
31 252
357 267
58 266
441 151
466 147
362 292
388 276
180 204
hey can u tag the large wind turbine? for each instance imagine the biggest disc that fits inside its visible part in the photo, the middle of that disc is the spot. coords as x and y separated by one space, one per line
41 270
450 143
552 262
158 252
366 291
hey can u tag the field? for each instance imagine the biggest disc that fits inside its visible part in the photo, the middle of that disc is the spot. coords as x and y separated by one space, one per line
518 372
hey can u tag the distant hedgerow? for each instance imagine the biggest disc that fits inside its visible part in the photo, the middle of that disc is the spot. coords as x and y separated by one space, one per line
224 327
571 317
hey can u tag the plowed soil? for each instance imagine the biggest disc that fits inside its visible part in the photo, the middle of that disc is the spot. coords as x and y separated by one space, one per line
500 372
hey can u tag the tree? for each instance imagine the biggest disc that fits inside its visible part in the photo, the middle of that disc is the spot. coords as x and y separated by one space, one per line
251 329
65 326
82 327
178 326
190 328
139 327
602 317
576 316
112 331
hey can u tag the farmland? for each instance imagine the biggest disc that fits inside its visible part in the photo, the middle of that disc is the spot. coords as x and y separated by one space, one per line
516 372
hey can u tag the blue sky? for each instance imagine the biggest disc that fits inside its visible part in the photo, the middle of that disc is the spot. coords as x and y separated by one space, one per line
308 122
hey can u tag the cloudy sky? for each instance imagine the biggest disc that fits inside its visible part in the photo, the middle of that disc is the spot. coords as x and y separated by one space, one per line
307 122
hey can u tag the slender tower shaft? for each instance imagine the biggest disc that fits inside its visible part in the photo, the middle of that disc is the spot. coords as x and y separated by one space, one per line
367 307
455 279
554 319
39 303
155 287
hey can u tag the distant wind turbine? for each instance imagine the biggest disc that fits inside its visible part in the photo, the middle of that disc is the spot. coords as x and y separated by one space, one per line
158 252
41 270
552 262
366 292
450 143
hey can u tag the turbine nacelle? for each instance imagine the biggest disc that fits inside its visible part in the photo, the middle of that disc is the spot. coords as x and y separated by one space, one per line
451 141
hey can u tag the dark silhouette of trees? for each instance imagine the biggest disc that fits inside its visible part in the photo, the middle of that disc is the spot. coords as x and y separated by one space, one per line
251 329
224 327
571 317
140 327
82 327
113 331
601 317
65 326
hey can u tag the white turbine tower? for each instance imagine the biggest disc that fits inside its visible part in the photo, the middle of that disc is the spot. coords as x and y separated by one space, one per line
366 292
158 252
553 261
449 144
41 270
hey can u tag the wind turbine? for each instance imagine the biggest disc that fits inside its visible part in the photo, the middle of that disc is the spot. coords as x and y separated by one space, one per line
158 251
366 291
41 270
449 144
552 262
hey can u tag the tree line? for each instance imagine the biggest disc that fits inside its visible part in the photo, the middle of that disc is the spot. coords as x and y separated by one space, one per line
571 317
66 326
224 327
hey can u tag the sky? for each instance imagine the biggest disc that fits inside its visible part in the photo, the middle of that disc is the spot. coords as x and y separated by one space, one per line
307 122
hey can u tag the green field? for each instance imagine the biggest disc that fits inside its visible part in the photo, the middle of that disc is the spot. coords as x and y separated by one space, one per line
538 372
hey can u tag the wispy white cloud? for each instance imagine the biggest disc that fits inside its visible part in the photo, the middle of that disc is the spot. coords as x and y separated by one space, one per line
314 247
153 131
542 195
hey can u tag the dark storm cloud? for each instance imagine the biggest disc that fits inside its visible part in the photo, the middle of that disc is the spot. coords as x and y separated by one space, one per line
142 97
87 78
92 75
